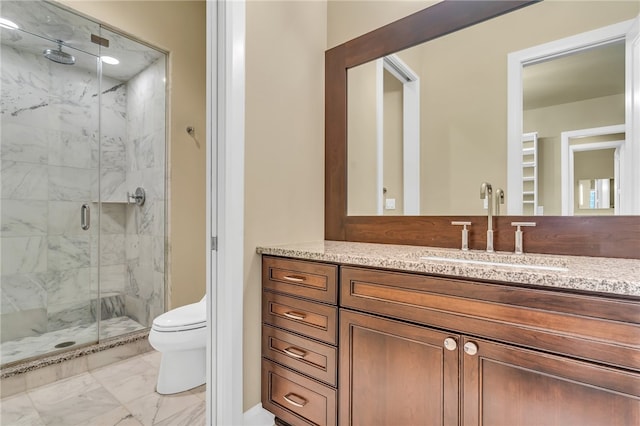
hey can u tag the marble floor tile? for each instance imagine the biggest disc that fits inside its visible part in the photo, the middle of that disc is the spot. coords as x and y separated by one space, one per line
72 401
128 380
192 416
119 416
95 399
154 408
18 410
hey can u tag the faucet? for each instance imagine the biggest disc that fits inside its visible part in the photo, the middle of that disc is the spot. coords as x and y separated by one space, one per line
486 192
499 196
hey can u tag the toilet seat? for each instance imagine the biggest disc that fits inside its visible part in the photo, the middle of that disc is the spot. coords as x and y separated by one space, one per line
189 317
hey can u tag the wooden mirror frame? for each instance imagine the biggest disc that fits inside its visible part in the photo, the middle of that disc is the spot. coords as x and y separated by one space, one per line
603 236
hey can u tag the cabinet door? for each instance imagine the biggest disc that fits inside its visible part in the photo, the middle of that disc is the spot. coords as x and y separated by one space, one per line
505 385
394 373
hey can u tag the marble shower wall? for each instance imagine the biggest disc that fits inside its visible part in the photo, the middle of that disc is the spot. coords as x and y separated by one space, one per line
146 157
49 168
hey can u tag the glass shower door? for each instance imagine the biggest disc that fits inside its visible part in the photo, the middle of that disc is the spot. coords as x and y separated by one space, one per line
49 199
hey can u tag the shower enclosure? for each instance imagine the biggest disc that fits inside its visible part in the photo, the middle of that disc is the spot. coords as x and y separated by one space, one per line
82 138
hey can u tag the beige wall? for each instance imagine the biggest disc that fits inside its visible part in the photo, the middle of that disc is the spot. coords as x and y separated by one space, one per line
284 146
178 27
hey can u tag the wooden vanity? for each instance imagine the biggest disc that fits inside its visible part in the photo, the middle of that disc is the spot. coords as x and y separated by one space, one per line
373 346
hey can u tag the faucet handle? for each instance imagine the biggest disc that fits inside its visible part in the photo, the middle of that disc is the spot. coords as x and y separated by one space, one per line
518 248
465 233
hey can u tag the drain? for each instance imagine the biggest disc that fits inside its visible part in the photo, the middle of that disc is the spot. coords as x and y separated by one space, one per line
64 345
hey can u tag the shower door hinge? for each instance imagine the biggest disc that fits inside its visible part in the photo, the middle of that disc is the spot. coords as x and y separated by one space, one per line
214 243
99 40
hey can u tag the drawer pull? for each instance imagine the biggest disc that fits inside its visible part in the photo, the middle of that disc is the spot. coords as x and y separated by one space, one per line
300 404
295 352
295 315
295 278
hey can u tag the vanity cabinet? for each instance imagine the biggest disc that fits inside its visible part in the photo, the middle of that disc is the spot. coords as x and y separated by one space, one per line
364 346
476 353
299 340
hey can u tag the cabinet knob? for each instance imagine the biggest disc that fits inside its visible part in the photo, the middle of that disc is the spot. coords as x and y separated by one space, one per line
450 343
470 348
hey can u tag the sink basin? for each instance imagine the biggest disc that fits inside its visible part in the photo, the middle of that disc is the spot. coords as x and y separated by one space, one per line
499 260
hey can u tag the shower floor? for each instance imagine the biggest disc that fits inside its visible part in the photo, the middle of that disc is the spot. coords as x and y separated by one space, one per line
27 347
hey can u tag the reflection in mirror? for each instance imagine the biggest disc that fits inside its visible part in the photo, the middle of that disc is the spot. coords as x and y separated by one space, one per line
463 113
384 130
596 194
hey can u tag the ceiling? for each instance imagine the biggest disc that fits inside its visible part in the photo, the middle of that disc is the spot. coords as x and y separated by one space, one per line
587 74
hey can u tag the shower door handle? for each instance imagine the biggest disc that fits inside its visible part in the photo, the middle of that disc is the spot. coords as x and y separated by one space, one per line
85 217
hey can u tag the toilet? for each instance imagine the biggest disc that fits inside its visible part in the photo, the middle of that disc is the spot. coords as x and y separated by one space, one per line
181 336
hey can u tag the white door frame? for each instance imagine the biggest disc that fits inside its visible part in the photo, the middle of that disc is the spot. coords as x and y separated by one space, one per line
225 207
516 60
410 132
567 160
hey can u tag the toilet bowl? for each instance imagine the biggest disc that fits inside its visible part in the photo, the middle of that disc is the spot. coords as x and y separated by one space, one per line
181 336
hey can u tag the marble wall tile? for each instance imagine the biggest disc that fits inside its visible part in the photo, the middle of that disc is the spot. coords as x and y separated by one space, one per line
24 143
64 218
23 292
72 149
71 184
60 317
21 218
112 249
112 278
69 252
23 255
140 280
113 185
70 286
113 152
113 218
23 181
23 323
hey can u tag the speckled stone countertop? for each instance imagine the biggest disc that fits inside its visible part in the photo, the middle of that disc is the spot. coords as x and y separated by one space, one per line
593 274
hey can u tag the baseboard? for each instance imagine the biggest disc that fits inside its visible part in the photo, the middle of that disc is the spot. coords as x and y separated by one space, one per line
258 416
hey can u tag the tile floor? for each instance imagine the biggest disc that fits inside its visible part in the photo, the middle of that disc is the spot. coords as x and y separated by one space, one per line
120 394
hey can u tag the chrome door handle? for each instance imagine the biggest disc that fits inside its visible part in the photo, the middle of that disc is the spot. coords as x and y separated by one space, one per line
85 217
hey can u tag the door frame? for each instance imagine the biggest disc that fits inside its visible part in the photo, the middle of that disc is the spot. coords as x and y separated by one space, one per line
410 133
225 210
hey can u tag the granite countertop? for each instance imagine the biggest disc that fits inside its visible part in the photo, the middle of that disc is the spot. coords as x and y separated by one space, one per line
593 274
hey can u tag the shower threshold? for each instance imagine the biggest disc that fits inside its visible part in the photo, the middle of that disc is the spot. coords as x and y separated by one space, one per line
44 344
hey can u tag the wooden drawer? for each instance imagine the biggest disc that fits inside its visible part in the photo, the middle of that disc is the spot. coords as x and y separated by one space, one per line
309 318
296 399
311 280
594 328
304 355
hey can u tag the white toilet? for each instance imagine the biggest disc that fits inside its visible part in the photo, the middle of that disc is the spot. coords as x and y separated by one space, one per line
181 336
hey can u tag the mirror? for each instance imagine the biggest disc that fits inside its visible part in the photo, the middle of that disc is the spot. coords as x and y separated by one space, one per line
575 235
461 117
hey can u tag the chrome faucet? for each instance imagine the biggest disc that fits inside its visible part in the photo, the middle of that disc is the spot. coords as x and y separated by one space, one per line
486 192
499 196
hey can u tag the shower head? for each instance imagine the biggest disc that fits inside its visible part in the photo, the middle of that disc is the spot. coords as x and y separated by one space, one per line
59 56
